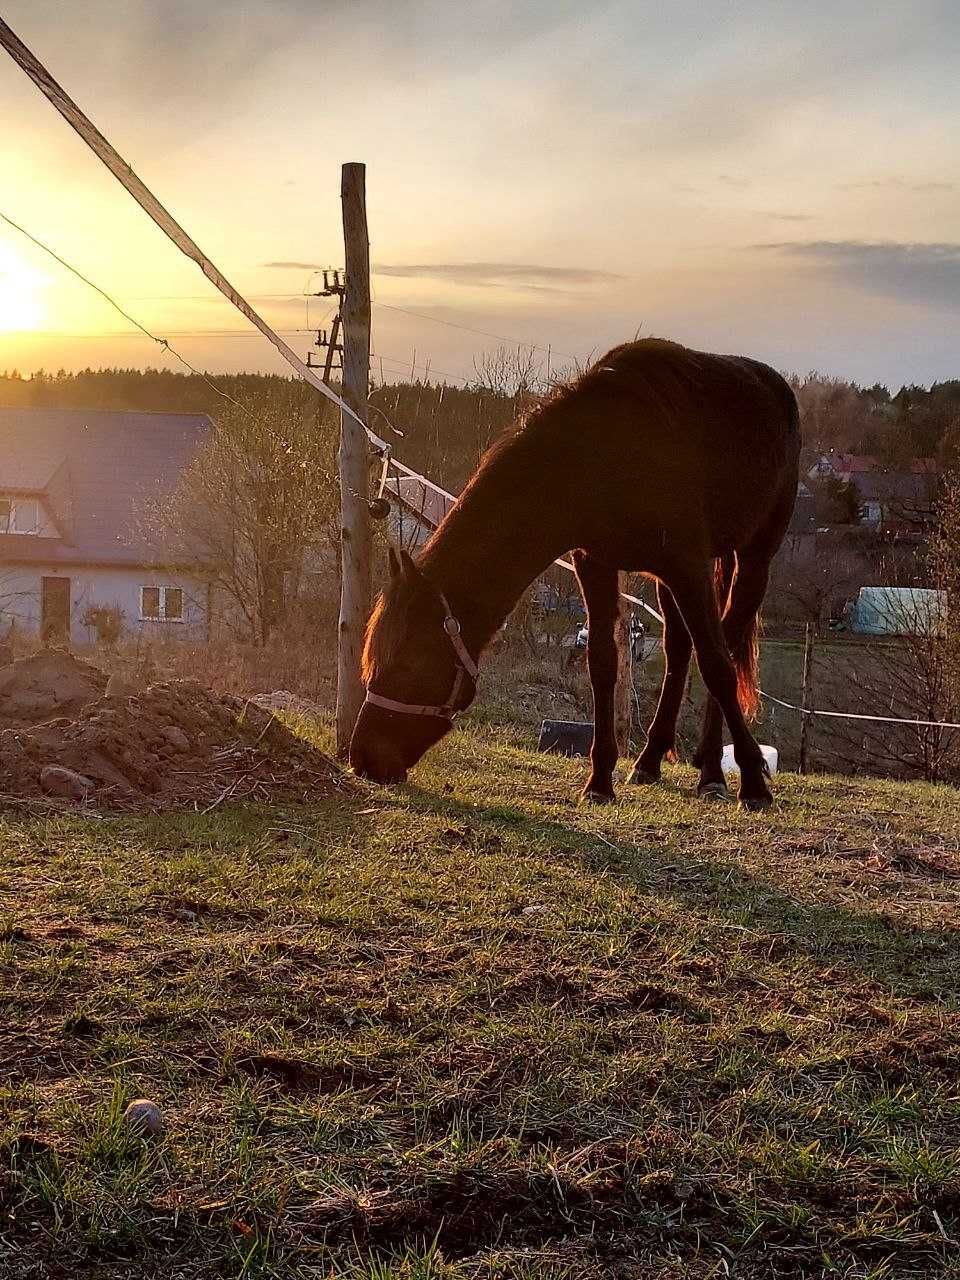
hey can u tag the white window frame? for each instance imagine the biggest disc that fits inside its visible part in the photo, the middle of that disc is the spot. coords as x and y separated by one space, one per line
162 614
17 505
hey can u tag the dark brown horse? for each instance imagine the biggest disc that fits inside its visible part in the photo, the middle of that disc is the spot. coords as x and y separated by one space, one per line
659 459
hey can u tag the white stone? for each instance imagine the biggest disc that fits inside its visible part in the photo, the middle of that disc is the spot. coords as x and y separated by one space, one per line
143 1116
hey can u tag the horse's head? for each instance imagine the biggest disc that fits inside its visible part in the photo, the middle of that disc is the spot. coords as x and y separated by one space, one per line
417 673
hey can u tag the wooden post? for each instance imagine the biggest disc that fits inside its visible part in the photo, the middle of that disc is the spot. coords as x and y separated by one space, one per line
623 697
355 538
805 695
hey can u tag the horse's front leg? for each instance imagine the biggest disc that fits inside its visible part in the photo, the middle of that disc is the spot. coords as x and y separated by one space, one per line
601 597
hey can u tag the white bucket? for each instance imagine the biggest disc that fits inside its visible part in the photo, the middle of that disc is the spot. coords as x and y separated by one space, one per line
729 764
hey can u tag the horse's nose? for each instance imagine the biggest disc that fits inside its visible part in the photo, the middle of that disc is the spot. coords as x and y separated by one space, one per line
366 765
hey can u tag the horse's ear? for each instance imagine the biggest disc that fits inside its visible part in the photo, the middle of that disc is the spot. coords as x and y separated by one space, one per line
408 566
395 566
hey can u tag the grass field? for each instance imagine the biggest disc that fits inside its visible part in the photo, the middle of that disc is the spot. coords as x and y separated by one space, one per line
466 1029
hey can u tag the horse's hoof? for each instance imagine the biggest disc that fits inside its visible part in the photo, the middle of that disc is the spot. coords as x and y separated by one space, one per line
597 797
643 778
755 804
713 791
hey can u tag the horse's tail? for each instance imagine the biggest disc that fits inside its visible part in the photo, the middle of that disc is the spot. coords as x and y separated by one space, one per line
744 648
746 658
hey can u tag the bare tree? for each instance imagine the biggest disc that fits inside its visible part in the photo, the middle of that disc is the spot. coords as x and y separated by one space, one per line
812 582
255 504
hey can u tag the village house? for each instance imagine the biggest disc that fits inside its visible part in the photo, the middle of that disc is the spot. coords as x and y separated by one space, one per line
895 499
73 486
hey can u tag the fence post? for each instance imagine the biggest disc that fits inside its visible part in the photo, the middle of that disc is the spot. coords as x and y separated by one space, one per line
623 696
355 537
805 695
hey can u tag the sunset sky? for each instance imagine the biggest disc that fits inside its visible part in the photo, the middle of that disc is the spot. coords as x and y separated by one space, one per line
781 179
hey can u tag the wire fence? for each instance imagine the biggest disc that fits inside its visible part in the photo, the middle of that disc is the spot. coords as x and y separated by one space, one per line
124 173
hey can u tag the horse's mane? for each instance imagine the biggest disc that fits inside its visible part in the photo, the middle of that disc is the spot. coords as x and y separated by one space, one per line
523 444
387 625
628 362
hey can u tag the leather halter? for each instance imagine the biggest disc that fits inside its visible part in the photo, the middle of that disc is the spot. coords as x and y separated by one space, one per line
465 666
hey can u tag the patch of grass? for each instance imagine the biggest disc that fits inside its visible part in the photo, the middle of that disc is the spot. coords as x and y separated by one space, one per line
465 1029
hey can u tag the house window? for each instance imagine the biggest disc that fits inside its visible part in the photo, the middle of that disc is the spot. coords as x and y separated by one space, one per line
161 604
20 515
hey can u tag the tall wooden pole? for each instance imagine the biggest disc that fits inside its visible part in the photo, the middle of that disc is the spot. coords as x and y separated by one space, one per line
355 539
805 696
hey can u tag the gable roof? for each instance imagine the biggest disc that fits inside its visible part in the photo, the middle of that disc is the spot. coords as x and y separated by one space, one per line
847 465
426 506
92 469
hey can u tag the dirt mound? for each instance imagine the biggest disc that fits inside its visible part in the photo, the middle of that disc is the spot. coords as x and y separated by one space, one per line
177 744
51 682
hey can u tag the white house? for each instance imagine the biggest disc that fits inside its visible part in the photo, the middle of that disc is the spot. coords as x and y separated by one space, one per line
72 485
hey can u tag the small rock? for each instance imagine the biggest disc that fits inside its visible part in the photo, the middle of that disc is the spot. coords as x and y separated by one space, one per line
535 911
57 780
176 737
6 655
143 1116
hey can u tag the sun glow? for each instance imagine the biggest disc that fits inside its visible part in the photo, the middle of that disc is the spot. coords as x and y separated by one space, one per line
21 287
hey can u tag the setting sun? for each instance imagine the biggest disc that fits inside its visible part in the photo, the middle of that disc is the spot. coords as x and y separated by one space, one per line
21 304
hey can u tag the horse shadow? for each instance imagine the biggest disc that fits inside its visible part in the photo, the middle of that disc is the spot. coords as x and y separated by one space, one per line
910 959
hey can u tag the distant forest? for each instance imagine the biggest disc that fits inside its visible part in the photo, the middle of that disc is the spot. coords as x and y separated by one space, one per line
447 428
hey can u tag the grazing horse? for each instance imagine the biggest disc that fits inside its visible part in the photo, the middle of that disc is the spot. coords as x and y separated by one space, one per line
658 459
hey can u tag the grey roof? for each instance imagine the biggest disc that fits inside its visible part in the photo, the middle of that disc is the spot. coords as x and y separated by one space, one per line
426 505
93 469
896 486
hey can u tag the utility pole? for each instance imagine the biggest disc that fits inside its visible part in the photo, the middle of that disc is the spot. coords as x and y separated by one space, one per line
355 538
805 696
332 288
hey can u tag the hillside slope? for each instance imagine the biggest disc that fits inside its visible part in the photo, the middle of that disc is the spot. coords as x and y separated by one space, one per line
470 1030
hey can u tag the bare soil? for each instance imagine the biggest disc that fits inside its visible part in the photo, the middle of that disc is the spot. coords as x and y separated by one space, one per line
175 744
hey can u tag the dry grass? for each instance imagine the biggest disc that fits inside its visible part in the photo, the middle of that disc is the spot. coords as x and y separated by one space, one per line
465 1029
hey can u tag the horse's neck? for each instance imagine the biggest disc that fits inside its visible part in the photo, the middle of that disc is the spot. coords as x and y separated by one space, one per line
510 526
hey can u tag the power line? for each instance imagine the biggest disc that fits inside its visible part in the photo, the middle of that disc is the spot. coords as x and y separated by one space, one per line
134 185
450 324
162 342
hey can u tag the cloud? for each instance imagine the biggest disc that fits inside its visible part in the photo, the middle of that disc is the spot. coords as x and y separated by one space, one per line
526 276
919 273
296 266
897 184
499 274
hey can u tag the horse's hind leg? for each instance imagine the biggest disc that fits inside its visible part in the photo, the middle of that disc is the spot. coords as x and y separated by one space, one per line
696 598
677 647
601 597
709 753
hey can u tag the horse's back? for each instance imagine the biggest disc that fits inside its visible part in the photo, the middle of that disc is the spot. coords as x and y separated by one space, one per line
698 434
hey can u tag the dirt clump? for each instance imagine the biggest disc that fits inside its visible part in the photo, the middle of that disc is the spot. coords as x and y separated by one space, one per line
176 744
50 682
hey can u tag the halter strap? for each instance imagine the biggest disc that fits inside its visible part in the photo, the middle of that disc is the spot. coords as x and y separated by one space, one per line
465 664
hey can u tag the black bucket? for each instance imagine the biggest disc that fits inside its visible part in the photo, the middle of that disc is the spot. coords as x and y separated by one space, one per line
566 737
